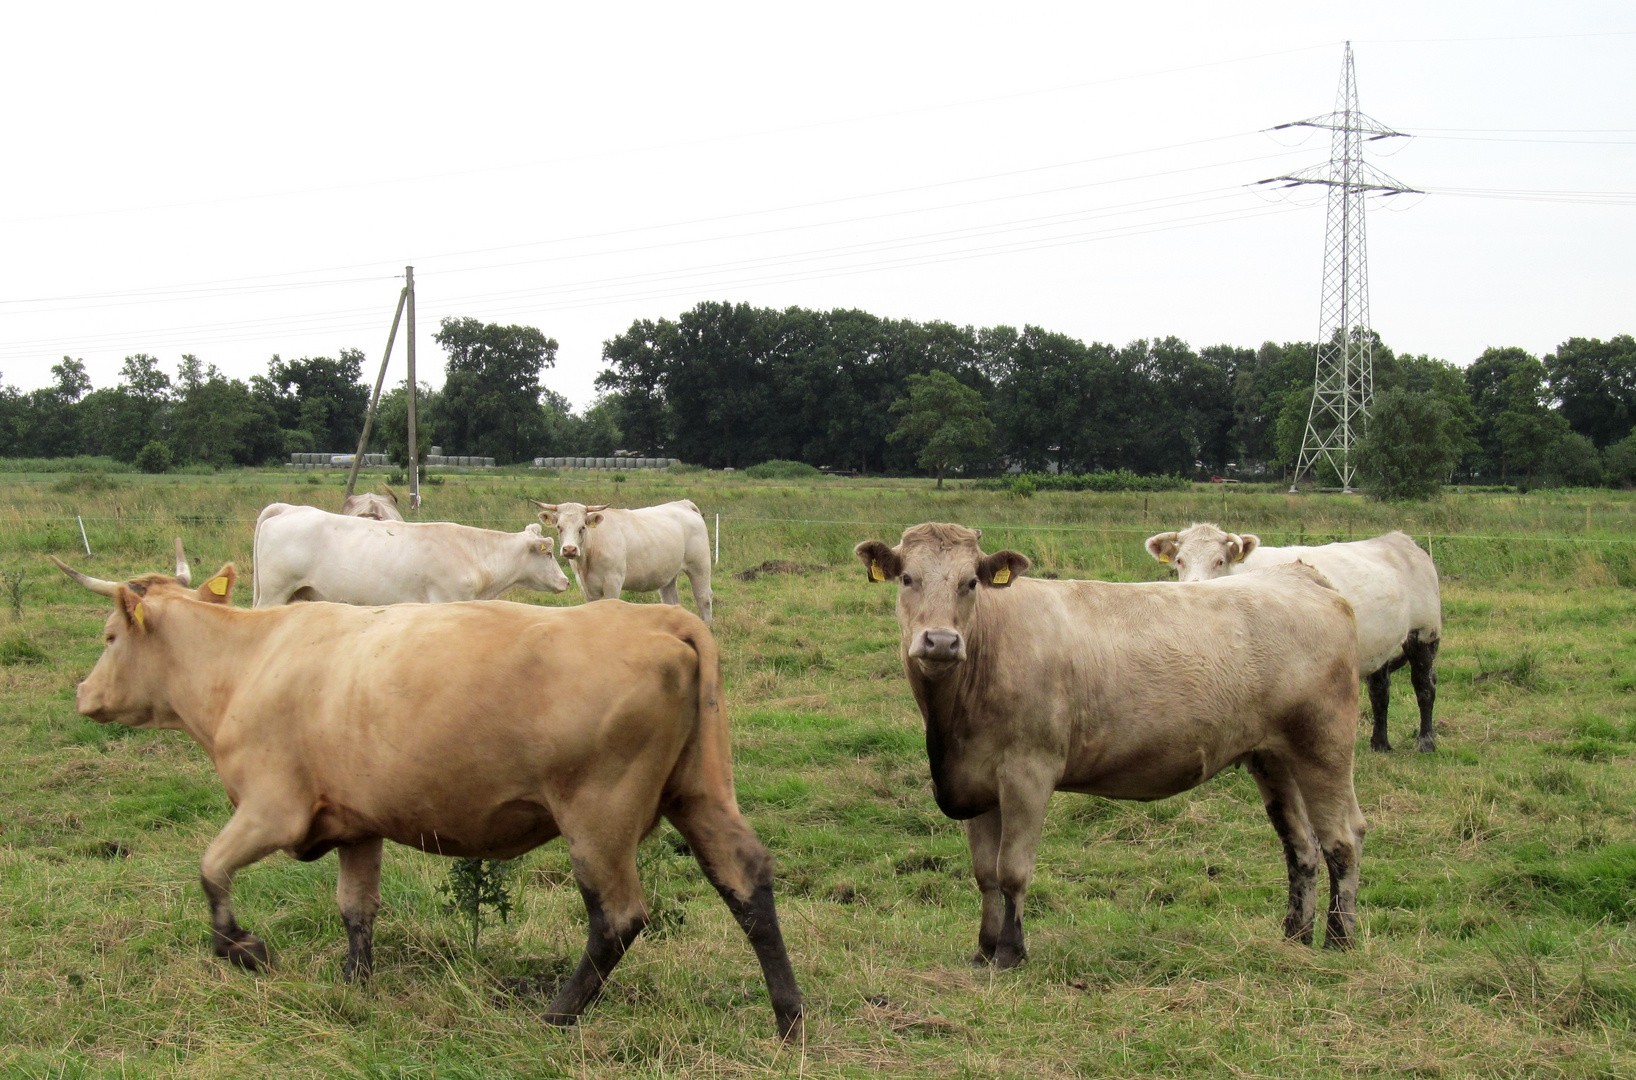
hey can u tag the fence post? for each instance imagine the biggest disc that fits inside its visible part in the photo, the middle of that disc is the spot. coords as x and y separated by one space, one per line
718 539
82 534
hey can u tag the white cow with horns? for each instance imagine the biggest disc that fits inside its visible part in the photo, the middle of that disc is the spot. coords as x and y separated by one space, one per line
1389 581
304 553
635 550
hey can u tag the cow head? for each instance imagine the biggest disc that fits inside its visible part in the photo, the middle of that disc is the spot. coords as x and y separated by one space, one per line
373 505
1202 551
940 572
571 520
540 569
128 683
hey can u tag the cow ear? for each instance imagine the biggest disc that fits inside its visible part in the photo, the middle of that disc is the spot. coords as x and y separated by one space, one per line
219 589
1248 542
879 561
1163 546
1002 568
593 520
532 528
133 607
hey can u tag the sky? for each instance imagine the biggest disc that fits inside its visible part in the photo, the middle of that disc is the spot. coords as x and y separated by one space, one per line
238 181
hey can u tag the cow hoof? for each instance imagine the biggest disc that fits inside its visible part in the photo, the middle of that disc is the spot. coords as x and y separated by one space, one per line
246 950
792 1028
1009 958
980 959
1427 744
1382 747
561 1019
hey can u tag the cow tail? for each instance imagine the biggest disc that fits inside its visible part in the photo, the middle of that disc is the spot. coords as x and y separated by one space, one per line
712 742
255 552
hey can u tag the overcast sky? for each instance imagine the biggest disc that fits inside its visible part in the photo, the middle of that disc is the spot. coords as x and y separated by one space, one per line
237 181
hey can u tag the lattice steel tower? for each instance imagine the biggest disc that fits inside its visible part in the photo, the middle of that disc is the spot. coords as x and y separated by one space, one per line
1343 385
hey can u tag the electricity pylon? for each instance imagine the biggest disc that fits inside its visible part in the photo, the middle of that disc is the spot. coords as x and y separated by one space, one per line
1344 382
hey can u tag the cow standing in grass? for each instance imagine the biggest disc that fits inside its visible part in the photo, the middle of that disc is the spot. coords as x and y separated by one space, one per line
1129 691
614 551
1390 583
304 553
477 730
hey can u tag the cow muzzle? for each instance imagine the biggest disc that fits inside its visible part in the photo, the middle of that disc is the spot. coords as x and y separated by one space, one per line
569 551
938 646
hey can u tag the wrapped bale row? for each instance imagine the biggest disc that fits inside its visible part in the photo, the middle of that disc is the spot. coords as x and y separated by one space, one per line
604 463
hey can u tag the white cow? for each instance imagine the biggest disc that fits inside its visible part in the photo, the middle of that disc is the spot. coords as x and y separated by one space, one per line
1390 582
304 553
372 504
635 550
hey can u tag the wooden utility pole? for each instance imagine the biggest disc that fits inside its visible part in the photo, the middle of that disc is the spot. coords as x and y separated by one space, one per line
375 399
414 444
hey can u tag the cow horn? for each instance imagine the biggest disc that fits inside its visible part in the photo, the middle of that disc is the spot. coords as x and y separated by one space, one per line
390 494
96 585
550 508
596 509
184 576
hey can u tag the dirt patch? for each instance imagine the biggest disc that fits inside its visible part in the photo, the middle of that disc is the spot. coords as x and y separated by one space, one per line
778 566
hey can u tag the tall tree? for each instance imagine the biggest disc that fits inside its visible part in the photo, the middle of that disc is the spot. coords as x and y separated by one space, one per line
322 398
1596 382
491 398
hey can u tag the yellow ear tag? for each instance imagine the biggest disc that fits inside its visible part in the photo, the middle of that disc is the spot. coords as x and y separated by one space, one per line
1002 575
875 571
218 585
1164 558
139 615
544 548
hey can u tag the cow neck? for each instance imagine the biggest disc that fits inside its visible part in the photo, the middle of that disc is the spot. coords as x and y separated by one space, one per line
207 647
950 706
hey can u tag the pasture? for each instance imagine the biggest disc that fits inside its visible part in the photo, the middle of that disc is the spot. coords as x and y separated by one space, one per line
1499 874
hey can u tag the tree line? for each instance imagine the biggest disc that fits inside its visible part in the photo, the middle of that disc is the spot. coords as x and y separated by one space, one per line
731 385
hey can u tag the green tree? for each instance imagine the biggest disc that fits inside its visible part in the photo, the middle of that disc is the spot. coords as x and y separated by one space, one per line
1411 446
392 422
320 395
947 421
490 403
218 421
1596 382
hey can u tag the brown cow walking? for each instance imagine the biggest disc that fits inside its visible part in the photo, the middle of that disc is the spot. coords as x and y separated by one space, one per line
1130 692
331 730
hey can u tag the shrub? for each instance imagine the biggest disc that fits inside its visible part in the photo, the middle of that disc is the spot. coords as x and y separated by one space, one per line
1572 461
1619 462
781 470
154 457
1115 480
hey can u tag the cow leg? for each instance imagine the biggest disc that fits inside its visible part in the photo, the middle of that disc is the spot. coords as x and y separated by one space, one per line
612 587
605 868
702 597
669 593
983 837
1380 696
358 892
741 869
1025 790
1423 673
252 834
1332 807
1287 812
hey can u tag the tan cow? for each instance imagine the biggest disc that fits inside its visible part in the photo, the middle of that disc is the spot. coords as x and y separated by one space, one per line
1389 581
478 729
371 504
1130 692
635 550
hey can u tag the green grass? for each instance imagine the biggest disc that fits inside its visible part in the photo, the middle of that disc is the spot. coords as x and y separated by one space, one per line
1499 875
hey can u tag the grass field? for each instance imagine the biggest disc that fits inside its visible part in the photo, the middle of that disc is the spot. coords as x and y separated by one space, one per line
1499 875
